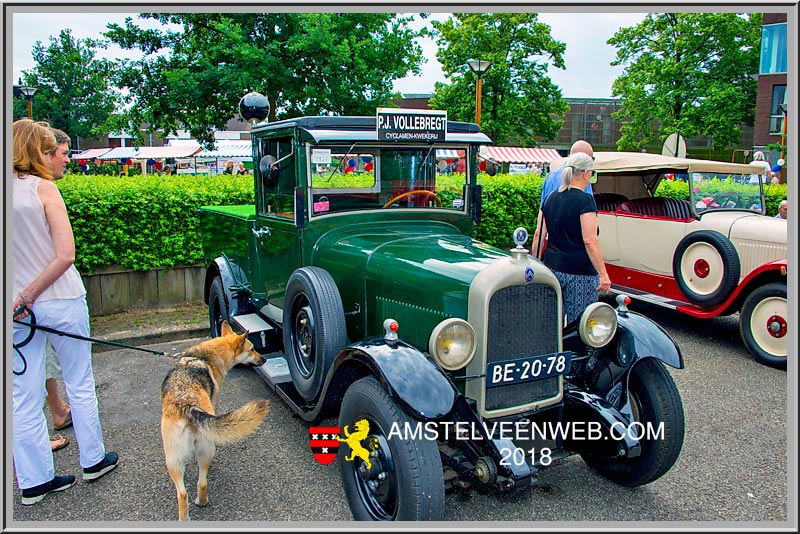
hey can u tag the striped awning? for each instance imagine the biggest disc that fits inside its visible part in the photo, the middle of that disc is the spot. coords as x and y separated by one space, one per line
513 154
449 153
167 151
228 149
91 153
120 152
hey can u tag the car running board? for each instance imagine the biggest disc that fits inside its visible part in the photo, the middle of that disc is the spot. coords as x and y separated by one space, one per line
275 370
648 297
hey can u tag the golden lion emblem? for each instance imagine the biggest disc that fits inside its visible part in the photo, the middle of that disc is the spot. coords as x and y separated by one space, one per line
354 439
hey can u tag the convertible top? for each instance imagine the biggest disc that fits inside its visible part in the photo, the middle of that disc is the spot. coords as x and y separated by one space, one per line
609 162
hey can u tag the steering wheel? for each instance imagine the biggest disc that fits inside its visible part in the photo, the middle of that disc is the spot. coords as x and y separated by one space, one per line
415 191
728 197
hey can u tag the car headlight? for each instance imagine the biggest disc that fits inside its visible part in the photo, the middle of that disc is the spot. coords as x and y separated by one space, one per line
598 324
452 344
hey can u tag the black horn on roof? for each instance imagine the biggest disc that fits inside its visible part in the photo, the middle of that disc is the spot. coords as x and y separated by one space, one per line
254 107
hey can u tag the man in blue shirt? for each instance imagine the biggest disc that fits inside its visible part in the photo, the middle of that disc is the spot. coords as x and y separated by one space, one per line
551 184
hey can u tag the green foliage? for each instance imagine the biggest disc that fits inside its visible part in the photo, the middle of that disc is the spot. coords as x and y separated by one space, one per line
509 201
304 63
147 222
693 73
144 222
73 91
673 189
773 193
518 100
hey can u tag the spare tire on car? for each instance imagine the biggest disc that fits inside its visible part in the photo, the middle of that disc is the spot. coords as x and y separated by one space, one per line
706 267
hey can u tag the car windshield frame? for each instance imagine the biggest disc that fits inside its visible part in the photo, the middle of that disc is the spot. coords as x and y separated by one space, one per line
720 191
348 176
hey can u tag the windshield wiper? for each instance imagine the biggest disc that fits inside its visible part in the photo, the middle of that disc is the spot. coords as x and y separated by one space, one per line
336 168
416 174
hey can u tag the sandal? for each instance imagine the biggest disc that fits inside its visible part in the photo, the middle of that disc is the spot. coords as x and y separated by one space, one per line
58 442
66 424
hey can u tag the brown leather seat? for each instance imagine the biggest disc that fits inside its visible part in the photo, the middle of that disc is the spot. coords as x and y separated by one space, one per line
671 208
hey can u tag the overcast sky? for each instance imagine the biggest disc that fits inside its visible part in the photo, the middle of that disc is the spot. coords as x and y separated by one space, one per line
588 71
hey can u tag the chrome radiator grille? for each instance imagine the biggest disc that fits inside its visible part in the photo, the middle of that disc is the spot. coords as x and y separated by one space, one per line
523 321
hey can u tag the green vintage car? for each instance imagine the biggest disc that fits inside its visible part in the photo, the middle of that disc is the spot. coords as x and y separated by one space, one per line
446 361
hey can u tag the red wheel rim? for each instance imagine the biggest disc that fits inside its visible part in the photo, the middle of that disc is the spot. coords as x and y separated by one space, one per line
701 268
776 326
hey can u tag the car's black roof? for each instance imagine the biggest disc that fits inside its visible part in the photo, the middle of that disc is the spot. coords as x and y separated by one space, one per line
349 123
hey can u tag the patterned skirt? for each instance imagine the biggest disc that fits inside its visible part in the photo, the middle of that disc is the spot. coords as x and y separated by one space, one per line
577 291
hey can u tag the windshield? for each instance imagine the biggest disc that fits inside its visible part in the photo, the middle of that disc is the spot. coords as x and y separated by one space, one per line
722 191
360 176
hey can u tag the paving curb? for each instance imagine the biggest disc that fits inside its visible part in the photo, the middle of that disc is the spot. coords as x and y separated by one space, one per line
136 339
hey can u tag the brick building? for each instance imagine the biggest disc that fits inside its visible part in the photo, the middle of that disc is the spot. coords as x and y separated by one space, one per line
771 99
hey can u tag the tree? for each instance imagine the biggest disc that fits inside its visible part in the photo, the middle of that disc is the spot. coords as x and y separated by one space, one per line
304 63
73 91
694 73
519 102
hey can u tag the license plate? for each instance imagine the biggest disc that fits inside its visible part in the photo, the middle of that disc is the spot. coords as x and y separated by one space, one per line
527 369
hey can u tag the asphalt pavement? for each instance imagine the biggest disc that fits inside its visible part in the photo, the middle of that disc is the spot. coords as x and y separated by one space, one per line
732 470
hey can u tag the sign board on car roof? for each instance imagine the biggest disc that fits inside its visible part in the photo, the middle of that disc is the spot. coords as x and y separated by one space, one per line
396 124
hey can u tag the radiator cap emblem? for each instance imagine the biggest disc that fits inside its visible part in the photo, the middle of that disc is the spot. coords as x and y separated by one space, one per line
528 274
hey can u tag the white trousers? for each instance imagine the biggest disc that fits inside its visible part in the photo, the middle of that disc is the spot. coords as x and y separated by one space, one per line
33 459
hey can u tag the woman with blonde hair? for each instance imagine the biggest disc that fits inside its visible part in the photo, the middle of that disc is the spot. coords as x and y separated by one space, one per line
573 250
47 284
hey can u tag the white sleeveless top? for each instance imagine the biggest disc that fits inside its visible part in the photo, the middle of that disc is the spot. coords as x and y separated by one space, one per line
33 244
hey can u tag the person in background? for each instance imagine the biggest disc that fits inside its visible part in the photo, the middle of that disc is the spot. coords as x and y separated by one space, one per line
573 249
758 159
46 283
783 209
228 167
550 184
59 408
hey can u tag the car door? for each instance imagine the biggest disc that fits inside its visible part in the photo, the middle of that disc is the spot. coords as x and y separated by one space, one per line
276 234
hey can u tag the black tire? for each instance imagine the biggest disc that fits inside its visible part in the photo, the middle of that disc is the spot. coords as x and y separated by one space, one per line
706 267
763 324
217 308
407 474
655 401
314 330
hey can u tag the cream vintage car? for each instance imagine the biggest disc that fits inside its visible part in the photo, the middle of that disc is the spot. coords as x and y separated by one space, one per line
714 254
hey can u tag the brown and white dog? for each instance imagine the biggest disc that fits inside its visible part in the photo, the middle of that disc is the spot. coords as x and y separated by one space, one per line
188 420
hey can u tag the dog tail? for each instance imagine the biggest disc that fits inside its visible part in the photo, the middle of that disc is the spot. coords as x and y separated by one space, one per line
231 426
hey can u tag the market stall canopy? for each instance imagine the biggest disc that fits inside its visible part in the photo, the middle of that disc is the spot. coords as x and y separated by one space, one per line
449 153
513 154
228 149
91 153
168 151
120 152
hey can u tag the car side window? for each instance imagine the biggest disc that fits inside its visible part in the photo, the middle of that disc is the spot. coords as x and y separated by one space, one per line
278 177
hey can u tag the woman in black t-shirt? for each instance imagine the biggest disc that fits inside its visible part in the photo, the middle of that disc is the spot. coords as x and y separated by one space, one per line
573 250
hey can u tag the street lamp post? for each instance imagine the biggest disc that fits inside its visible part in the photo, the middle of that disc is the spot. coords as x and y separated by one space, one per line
28 92
478 67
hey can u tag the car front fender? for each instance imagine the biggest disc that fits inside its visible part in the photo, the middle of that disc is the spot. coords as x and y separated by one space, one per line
417 385
650 340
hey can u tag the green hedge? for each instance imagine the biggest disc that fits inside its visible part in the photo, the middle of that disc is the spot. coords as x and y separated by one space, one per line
141 223
144 222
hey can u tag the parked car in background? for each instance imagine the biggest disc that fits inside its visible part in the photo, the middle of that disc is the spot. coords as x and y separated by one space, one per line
714 254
